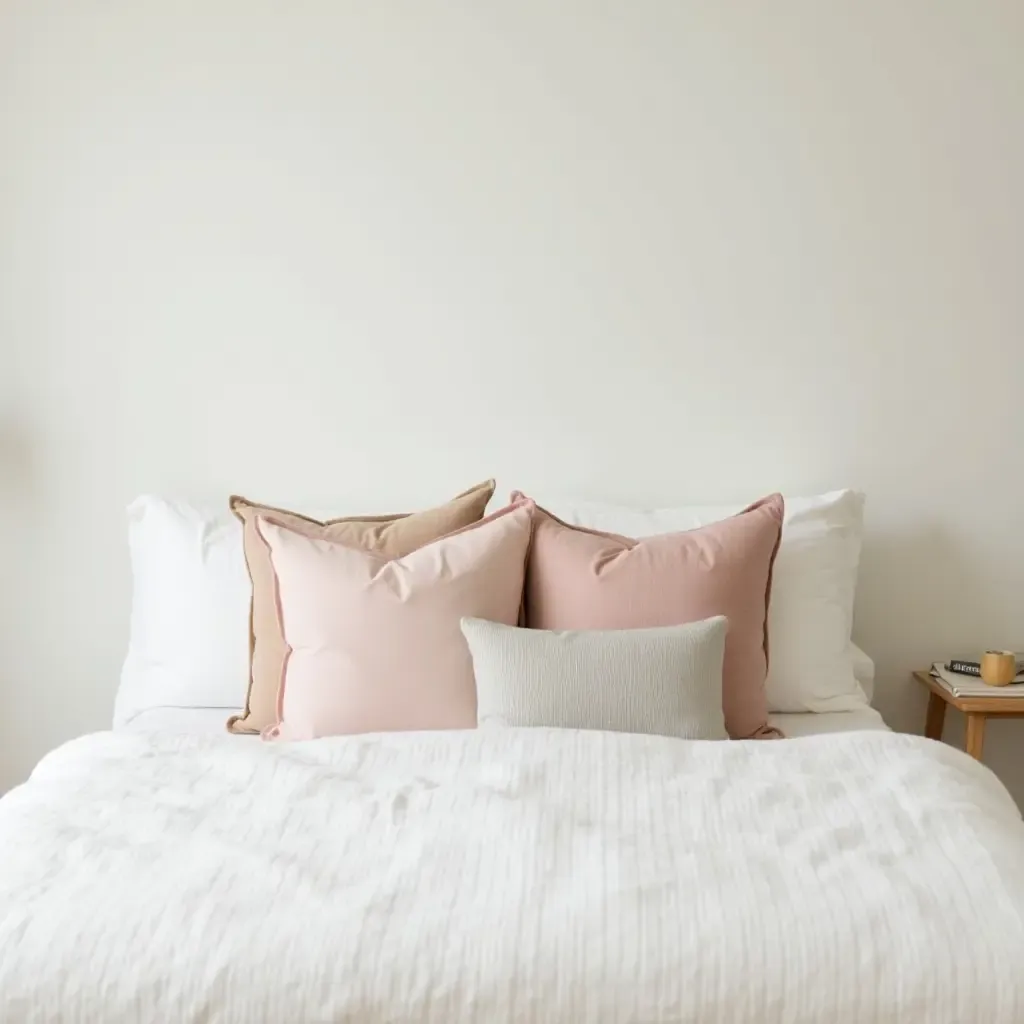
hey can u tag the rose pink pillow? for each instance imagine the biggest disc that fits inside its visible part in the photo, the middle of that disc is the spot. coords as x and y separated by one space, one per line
374 643
583 579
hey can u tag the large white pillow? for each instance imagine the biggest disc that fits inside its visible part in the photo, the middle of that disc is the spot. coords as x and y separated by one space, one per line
813 586
189 640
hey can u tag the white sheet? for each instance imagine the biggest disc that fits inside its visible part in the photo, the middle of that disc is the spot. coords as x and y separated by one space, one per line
520 875
198 721
211 721
795 726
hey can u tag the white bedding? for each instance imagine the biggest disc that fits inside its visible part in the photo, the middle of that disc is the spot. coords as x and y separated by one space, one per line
210 721
520 875
797 725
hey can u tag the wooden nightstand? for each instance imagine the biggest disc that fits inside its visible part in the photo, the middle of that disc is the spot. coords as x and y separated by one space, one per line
977 709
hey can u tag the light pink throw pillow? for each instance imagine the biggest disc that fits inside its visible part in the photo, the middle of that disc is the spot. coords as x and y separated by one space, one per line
374 643
583 579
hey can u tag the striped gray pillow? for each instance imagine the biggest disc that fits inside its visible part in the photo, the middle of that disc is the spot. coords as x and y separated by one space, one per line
666 681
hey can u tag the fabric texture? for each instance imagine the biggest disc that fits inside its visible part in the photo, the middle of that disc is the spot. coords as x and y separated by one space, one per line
665 681
526 875
584 579
814 666
390 536
374 642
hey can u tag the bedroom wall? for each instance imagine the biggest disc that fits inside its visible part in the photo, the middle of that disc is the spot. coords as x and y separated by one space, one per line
366 255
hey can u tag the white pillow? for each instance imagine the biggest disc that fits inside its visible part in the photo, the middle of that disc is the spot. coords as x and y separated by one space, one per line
813 585
665 681
189 639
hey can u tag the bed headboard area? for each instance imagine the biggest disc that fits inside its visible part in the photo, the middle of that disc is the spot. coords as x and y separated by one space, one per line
646 256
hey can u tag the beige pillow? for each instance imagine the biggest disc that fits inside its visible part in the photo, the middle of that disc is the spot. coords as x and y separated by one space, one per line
393 536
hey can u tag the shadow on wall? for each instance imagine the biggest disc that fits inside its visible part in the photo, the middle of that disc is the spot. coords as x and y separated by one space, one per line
18 506
921 596
17 465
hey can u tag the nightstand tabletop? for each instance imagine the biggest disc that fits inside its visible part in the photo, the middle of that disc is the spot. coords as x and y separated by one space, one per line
1003 707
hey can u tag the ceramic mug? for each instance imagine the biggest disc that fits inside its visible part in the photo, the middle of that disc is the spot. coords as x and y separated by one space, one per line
998 667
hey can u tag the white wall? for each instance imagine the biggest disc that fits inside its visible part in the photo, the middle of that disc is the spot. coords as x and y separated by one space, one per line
371 253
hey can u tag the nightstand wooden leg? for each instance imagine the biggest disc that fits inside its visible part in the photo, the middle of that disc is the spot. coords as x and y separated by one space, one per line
936 717
975 735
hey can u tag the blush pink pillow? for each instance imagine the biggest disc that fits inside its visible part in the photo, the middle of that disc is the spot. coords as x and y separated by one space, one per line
583 579
374 643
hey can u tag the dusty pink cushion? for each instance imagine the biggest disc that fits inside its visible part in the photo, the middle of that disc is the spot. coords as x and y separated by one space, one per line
374 643
583 579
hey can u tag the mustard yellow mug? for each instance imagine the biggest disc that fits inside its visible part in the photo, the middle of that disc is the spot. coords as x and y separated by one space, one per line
998 667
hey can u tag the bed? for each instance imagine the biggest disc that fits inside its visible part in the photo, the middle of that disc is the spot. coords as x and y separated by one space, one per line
170 870
510 875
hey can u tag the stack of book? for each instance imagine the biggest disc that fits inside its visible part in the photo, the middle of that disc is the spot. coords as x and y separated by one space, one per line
963 679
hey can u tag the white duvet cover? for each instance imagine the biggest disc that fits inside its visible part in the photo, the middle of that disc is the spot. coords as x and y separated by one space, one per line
522 875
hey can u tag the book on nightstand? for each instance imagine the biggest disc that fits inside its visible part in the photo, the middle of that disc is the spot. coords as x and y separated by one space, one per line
964 667
969 685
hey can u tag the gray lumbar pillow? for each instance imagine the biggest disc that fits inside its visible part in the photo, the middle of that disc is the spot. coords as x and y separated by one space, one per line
666 681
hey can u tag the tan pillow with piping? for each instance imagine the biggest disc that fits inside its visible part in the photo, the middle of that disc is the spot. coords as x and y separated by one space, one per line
393 535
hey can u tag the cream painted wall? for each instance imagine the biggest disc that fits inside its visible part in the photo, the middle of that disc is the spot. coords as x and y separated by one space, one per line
369 253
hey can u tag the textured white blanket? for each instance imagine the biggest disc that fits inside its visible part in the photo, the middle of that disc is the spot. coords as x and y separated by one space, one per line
527 875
